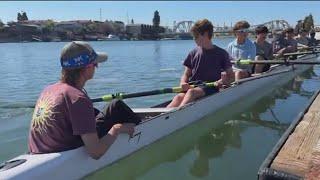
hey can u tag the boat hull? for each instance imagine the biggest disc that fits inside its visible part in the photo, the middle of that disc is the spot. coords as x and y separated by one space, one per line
75 164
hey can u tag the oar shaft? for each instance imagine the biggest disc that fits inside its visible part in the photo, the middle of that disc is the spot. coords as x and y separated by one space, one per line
283 62
300 53
137 94
308 48
247 62
145 93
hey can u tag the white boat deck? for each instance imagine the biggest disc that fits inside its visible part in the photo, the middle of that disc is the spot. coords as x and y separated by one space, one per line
152 110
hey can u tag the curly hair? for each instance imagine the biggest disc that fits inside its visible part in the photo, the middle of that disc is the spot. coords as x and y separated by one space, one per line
241 25
261 29
202 26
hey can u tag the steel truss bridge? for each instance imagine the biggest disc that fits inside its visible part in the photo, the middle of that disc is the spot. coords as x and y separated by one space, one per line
185 26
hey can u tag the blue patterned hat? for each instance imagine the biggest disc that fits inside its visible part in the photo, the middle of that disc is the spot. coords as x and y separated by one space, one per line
77 54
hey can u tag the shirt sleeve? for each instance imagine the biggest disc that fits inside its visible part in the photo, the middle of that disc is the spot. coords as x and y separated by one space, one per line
270 52
226 63
187 62
81 115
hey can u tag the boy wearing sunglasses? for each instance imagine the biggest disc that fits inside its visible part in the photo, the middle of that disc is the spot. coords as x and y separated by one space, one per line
242 48
290 44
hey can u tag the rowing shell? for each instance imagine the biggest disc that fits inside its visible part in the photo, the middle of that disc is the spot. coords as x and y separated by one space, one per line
157 123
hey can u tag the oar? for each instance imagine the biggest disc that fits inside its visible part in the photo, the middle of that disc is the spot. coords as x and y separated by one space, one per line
308 48
109 97
301 53
247 62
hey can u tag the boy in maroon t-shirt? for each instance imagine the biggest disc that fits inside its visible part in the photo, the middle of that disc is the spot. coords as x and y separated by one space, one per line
205 63
64 117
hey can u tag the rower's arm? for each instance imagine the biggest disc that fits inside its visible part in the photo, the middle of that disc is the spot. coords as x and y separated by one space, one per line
185 77
96 147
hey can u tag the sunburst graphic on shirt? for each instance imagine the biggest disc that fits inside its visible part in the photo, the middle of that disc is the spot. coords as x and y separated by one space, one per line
42 115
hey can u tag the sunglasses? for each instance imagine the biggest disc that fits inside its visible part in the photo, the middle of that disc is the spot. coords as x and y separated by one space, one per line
242 30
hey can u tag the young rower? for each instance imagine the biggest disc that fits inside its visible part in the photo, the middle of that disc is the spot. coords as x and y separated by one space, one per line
291 44
242 48
312 41
204 63
64 117
278 41
302 38
263 49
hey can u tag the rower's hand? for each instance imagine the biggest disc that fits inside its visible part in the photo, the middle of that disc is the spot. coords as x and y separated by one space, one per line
218 84
281 52
276 56
224 78
125 128
223 81
185 87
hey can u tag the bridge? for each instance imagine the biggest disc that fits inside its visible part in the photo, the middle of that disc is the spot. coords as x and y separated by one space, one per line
185 26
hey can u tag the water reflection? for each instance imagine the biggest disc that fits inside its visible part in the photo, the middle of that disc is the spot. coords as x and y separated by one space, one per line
213 144
218 140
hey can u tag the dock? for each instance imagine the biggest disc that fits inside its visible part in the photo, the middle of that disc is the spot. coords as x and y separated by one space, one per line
297 153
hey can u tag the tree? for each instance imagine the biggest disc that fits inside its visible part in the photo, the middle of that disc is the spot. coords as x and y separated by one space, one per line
308 23
156 19
19 17
92 27
298 27
24 16
1 24
48 27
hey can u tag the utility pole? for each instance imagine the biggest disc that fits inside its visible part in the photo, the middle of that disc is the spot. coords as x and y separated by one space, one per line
127 18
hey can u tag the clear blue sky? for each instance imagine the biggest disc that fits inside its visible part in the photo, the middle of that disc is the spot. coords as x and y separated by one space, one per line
218 12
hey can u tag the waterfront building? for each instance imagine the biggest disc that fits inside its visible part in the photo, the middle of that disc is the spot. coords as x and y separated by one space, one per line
144 31
68 26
